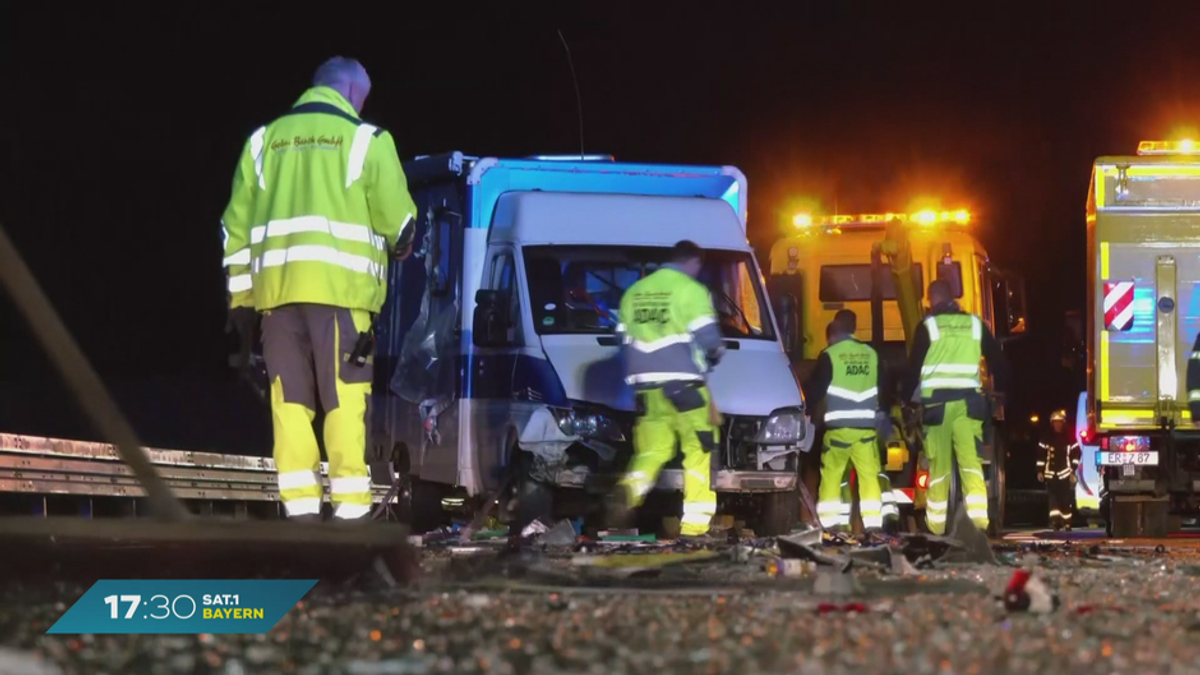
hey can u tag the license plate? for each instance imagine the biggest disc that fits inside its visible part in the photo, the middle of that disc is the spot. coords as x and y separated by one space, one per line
1122 458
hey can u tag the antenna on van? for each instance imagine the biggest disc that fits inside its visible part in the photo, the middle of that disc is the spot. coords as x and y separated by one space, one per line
578 98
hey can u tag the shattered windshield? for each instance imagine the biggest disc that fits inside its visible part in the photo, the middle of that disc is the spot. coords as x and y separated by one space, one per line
577 289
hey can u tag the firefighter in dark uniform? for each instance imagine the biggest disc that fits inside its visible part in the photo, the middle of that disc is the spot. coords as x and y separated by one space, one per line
1058 465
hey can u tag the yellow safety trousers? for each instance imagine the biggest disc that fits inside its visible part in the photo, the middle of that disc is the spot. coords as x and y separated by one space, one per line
654 437
959 436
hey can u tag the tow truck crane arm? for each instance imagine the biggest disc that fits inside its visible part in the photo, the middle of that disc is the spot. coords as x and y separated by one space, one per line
897 250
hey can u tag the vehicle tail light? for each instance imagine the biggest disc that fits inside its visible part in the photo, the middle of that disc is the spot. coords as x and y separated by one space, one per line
923 480
1130 444
1104 443
1088 435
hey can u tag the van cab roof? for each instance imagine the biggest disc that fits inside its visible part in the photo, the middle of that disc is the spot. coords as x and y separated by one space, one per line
536 218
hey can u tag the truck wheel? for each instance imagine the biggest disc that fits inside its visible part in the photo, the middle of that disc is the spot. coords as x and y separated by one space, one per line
997 487
779 513
422 509
1140 518
954 498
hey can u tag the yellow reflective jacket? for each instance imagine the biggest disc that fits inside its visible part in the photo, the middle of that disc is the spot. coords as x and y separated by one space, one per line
319 200
669 329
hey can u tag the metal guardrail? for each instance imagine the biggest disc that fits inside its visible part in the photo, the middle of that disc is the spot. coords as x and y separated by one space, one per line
34 465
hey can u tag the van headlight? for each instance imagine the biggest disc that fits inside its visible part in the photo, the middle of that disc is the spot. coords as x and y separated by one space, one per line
588 424
784 426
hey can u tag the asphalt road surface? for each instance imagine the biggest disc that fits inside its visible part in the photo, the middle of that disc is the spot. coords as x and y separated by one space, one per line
1124 607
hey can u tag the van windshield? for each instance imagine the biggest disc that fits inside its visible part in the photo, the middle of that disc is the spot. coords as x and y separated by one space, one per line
578 289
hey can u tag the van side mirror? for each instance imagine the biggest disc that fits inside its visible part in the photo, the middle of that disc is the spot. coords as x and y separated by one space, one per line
490 323
1009 302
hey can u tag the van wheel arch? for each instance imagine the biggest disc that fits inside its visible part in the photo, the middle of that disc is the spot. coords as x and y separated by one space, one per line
535 499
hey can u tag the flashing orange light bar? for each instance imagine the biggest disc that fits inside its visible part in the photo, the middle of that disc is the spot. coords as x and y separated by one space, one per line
1183 147
924 218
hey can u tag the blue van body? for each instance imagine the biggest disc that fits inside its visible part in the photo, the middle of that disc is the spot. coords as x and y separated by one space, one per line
453 411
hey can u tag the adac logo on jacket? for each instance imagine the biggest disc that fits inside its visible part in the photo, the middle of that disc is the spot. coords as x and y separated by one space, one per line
854 363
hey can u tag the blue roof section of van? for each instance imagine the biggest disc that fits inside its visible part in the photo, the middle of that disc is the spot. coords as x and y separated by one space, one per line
490 177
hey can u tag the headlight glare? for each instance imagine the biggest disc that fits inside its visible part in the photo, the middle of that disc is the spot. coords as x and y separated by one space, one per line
784 426
584 424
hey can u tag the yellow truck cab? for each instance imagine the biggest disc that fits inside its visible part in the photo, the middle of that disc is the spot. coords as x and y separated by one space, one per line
1143 243
830 263
830 260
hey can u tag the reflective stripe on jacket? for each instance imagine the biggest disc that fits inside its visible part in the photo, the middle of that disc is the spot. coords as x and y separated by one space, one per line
955 352
669 329
853 393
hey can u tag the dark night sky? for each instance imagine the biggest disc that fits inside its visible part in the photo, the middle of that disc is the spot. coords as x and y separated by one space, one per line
124 127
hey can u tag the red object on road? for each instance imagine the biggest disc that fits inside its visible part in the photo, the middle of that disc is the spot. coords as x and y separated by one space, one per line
1026 593
828 607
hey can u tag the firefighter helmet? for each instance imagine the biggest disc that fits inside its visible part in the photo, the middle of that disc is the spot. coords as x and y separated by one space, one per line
1058 416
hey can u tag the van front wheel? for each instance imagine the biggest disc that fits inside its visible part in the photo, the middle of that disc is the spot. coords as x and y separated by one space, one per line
535 499
779 512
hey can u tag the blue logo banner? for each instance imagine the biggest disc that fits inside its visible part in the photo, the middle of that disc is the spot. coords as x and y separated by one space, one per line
152 606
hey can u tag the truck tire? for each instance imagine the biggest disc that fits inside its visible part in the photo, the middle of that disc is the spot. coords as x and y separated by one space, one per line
997 495
422 508
779 513
954 500
1140 518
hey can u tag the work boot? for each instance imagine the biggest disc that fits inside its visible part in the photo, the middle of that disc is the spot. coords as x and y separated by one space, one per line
706 539
617 514
360 520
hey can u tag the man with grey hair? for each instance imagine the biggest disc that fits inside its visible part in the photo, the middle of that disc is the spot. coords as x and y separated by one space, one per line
347 77
320 207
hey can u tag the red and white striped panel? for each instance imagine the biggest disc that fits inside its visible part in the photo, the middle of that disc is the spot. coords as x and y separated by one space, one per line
1118 305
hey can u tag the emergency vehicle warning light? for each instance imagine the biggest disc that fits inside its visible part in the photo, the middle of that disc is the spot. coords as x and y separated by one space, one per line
1181 147
926 218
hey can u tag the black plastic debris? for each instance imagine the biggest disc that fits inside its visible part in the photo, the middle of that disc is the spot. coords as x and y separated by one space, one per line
811 536
975 545
789 548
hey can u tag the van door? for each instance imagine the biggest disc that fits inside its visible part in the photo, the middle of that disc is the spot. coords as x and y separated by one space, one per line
418 345
492 368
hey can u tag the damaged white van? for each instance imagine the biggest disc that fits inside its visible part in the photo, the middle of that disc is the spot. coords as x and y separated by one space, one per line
499 377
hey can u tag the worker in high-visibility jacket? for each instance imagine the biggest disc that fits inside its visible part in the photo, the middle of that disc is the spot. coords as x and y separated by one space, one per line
848 378
946 357
886 429
320 206
1058 461
671 341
